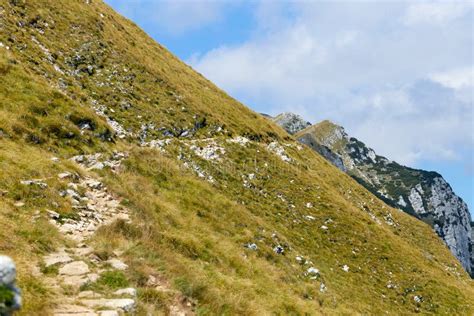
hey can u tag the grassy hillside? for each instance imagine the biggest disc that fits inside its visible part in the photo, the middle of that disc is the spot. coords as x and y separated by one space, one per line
234 224
423 194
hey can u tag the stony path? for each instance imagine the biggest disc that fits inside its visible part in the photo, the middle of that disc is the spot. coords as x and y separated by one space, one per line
77 265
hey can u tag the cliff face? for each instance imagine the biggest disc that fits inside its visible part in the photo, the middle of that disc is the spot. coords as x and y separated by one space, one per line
425 195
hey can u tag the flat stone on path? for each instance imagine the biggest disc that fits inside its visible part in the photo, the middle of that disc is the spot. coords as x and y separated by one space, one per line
75 268
75 310
109 313
125 304
83 251
128 291
75 280
58 257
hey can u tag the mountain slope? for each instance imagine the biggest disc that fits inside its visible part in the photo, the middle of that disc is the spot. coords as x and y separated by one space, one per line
425 195
213 209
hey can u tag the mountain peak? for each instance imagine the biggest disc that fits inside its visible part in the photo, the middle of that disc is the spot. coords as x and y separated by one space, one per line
329 123
291 122
327 133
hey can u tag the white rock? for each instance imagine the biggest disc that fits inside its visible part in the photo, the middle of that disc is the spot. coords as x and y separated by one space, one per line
117 264
322 288
37 182
313 270
68 228
209 152
73 194
252 246
401 201
108 313
53 214
324 227
57 257
416 199
64 175
345 268
74 268
128 291
279 151
83 251
97 166
76 281
69 310
125 304
242 141
93 184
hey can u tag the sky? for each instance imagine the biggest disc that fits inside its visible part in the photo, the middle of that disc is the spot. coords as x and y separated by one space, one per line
398 75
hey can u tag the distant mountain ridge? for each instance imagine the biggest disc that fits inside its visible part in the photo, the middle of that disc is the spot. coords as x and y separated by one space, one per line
423 194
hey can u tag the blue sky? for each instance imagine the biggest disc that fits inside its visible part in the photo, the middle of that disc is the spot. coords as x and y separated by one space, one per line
397 75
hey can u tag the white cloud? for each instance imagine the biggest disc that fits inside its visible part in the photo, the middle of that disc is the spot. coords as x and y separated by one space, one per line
423 120
437 12
403 90
461 80
456 78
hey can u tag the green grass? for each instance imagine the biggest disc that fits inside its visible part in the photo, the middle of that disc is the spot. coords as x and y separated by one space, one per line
108 280
6 297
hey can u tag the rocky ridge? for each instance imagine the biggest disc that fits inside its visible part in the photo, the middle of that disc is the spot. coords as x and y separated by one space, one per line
425 195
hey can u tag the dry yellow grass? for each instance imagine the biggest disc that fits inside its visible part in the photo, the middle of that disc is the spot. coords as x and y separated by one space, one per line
189 231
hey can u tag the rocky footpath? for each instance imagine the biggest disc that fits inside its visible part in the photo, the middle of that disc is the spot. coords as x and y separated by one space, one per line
69 270
425 195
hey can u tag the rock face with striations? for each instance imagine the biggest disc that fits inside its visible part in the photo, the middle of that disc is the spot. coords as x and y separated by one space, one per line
425 195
